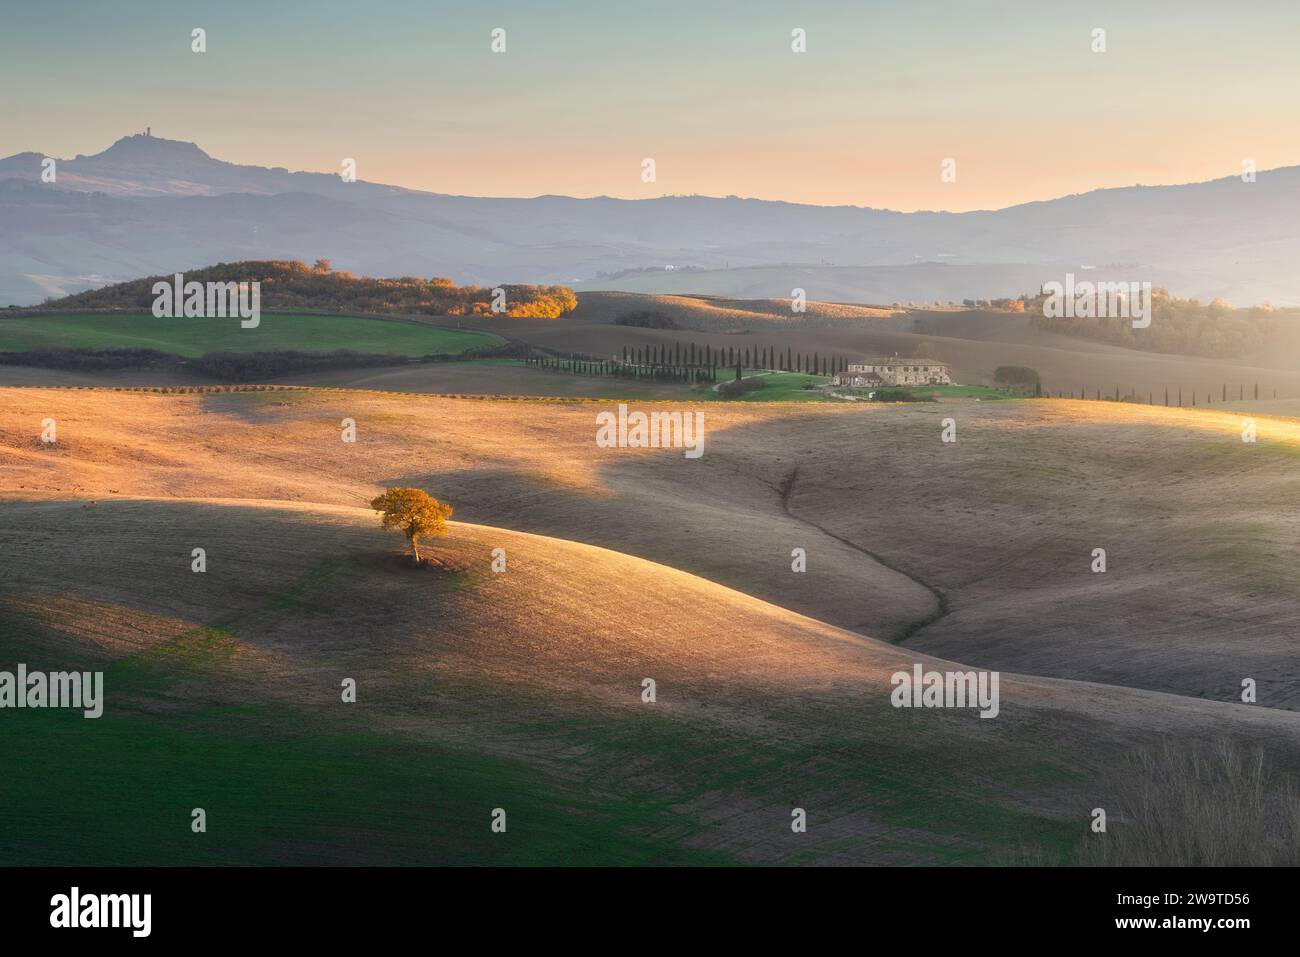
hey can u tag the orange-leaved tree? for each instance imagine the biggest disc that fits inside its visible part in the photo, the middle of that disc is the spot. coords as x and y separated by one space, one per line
415 512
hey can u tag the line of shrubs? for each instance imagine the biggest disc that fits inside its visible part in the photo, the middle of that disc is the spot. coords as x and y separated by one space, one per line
89 360
900 395
227 366
737 387
647 319
248 366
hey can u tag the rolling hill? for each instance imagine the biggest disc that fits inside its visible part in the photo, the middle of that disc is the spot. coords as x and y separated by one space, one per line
522 689
521 692
978 551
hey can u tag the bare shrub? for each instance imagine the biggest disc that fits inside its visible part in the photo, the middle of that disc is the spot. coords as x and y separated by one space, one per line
1212 805
735 387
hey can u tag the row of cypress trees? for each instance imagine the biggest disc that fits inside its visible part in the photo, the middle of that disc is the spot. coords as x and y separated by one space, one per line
626 370
1134 396
750 357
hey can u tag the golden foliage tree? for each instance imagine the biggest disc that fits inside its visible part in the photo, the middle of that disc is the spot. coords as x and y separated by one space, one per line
414 512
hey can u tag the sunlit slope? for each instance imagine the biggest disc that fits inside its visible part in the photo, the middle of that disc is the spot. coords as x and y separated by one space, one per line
529 466
979 550
521 690
720 312
1123 544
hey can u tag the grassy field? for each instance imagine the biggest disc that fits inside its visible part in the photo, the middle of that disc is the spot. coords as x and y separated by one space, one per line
792 387
194 337
962 392
479 691
281 781
522 689
777 387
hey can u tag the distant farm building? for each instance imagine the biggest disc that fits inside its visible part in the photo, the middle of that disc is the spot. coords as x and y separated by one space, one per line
895 371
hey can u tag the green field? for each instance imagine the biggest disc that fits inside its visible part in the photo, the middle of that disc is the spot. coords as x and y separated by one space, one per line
194 337
777 387
964 392
955 391
303 785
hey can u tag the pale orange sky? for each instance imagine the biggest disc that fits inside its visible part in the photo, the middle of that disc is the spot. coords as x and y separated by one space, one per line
1011 90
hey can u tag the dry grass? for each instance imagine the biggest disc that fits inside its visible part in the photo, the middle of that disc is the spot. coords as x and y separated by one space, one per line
759 706
1199 535
717 313
1208 805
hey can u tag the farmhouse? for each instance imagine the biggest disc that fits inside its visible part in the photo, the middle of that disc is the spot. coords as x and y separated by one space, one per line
893 371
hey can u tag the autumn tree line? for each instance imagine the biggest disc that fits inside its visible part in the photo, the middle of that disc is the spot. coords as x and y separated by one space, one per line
289 284
1181 326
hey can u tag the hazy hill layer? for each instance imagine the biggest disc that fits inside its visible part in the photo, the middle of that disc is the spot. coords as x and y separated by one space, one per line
148 205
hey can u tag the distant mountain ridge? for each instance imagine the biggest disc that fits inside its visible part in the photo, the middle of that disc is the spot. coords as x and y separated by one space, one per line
147 165
151 205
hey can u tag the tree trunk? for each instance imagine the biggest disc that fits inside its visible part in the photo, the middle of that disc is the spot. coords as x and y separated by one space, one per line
415 548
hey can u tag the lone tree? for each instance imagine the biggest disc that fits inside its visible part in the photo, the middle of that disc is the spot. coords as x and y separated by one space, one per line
415 512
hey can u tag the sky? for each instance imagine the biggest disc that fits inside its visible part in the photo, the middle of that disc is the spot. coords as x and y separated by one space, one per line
1012 92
